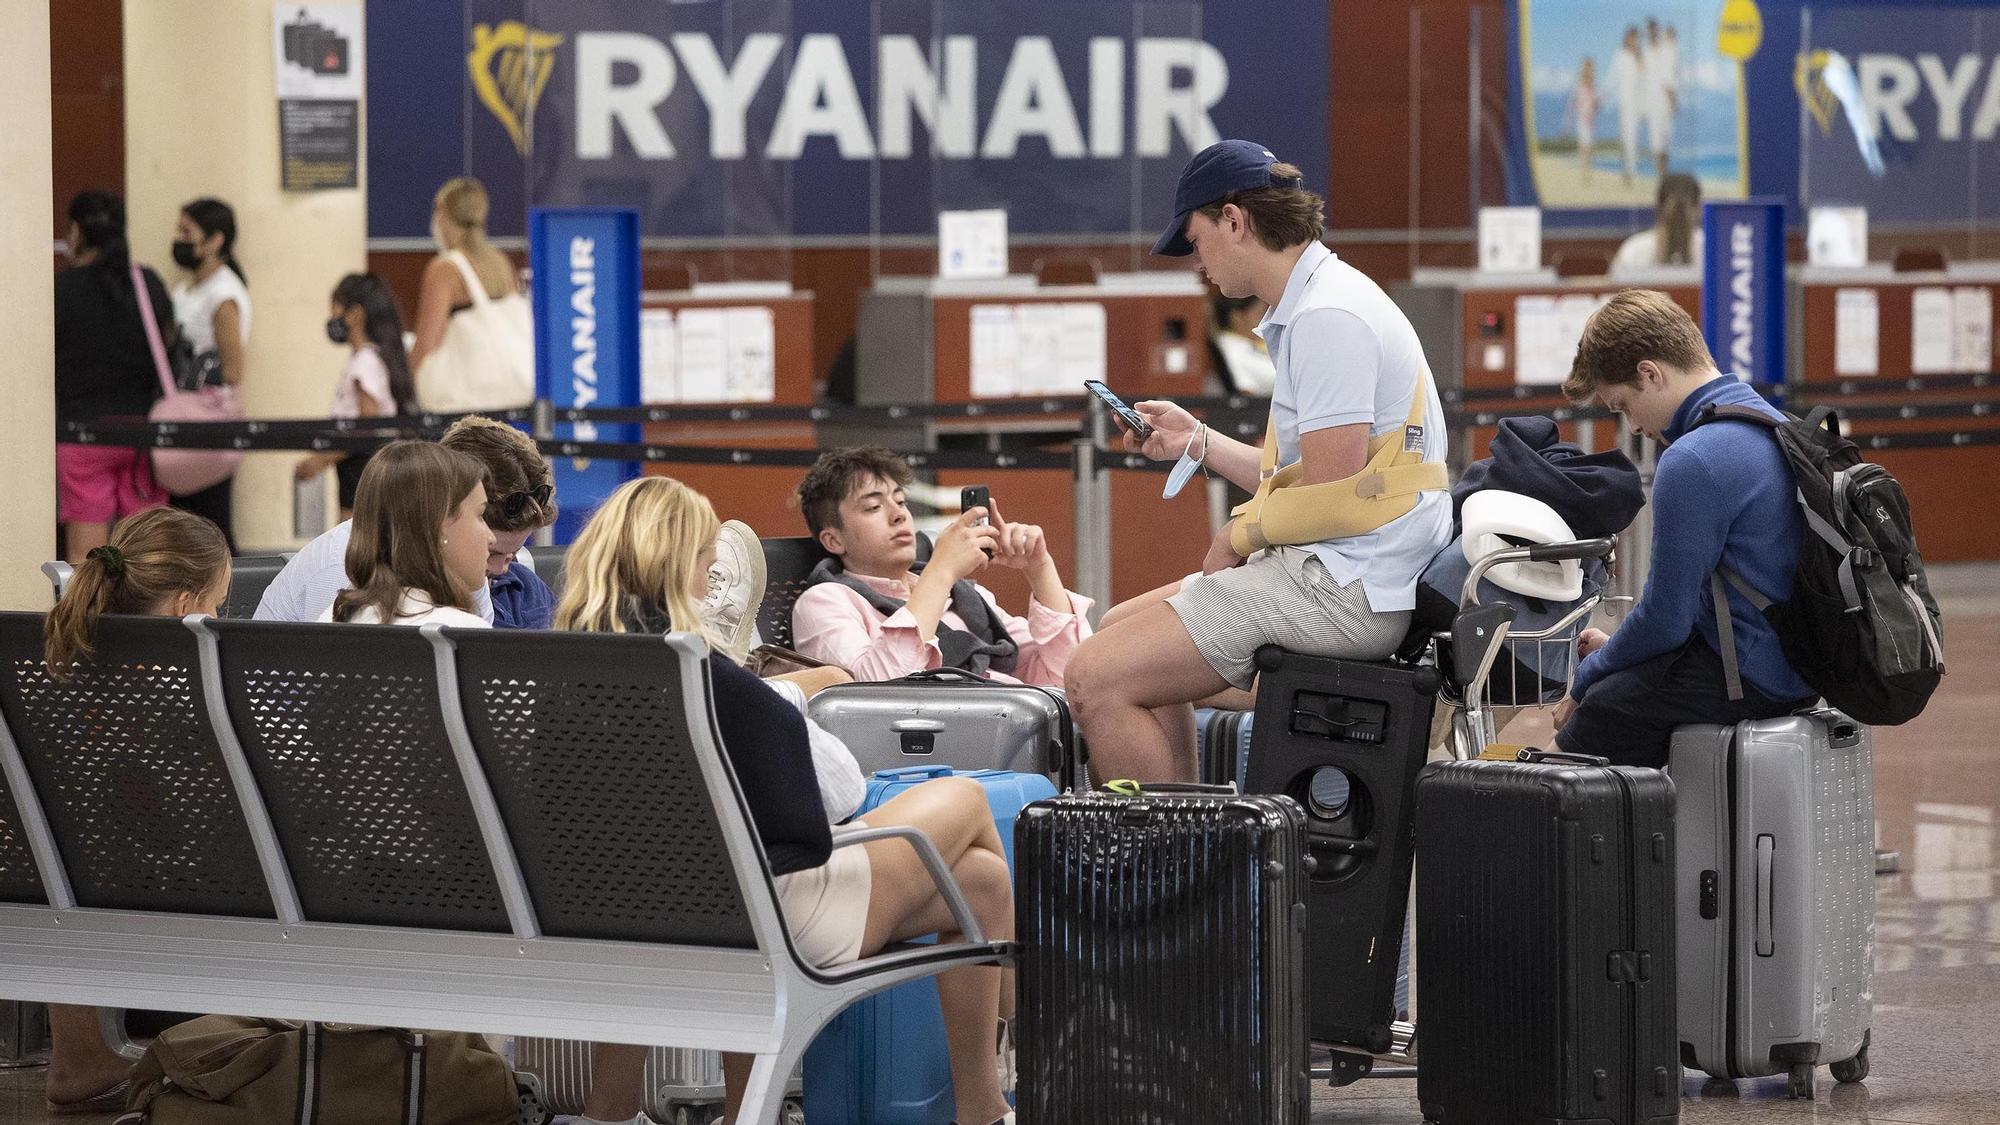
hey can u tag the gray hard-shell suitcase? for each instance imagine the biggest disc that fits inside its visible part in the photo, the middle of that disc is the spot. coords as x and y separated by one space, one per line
683 1086
948 717
1776 896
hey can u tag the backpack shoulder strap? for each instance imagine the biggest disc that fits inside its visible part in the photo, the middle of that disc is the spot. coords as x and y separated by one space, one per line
1725 629
1736 412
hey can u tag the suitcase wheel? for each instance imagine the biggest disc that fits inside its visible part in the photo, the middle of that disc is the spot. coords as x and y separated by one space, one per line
1852 1070
1799 1081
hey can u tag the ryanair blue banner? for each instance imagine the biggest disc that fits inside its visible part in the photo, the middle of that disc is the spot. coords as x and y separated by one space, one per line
1743 288
768 120
585 292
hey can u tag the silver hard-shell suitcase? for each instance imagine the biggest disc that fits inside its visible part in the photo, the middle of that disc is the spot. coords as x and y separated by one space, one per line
1775 895
683 1086
952 718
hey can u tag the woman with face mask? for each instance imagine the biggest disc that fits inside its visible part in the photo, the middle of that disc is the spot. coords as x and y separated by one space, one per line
475 347
213 309
376 382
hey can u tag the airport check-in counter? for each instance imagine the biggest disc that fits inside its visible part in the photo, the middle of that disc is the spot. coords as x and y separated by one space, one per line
1853 329
747 345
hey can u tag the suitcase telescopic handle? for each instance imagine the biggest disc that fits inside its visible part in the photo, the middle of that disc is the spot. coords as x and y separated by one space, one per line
1560 758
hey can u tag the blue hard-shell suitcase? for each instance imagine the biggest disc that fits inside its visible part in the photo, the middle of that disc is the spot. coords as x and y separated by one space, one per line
883 1060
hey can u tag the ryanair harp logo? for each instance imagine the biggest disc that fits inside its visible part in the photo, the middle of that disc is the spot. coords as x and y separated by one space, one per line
1809 76
510 65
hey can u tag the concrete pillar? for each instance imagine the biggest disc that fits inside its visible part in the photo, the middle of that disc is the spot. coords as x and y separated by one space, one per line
201 119
27 316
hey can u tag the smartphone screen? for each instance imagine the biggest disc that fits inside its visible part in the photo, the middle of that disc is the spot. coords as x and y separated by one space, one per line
1127 417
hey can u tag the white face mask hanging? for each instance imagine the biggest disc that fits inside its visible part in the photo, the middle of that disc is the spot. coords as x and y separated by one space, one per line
1184 469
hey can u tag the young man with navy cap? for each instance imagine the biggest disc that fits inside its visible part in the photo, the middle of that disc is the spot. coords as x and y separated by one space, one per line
1350 483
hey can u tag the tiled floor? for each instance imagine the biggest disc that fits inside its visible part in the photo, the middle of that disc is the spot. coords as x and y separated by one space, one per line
1936 1053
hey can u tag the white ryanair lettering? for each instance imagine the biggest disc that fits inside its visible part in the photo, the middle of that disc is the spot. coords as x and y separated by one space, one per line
1892 85
1742 280
583 330
1138 95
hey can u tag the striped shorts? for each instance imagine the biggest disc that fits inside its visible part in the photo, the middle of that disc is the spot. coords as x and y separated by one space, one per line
1282 596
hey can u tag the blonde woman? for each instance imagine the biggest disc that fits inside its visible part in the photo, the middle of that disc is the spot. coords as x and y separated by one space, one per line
475 346
641 566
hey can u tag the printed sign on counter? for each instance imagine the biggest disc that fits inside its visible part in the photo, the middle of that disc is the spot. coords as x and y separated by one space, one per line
1043 348
1972 317
1933 336
1857 332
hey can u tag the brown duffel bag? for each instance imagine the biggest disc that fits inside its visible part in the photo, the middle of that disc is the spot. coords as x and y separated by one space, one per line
233 1070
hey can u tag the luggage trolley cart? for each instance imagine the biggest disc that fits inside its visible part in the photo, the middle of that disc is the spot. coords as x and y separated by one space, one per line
1544 659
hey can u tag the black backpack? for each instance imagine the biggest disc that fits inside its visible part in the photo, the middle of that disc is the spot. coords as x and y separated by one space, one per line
1861 626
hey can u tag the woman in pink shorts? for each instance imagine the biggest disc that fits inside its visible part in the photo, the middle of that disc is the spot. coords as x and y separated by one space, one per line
103 367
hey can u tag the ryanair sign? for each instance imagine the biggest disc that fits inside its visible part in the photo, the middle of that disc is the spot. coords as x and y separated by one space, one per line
766 119
623 79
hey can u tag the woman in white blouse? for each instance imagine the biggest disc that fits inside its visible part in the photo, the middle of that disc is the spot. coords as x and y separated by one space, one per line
419 545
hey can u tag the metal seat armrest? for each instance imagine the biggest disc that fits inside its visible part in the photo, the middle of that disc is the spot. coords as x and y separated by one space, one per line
948 888
59 574
901 956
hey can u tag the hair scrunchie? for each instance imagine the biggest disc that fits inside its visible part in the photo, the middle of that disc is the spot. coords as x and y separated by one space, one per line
111 557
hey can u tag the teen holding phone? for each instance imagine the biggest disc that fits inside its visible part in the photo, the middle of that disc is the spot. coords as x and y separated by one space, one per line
1350 487
877 612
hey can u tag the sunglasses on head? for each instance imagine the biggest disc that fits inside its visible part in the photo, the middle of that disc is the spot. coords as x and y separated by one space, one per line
515 504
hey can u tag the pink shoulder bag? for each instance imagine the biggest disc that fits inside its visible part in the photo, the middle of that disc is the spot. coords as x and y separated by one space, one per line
186 471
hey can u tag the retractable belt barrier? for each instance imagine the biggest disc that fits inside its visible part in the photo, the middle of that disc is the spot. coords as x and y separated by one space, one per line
1237 416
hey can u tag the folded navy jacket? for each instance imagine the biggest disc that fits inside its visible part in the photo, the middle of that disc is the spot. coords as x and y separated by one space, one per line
1597 494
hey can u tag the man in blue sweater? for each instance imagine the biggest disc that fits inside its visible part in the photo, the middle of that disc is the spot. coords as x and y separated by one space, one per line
1722 495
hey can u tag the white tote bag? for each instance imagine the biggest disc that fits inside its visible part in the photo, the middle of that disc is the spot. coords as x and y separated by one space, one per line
487 359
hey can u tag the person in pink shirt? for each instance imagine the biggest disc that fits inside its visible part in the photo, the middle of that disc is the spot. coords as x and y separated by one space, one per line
873 610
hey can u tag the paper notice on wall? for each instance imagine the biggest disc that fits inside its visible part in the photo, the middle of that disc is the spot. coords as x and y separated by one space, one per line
1972 318
1039 330
750 350
1539 355
1857 332
1572 314
995 352
1510 239
1933 337
659 357
1082 346
704 357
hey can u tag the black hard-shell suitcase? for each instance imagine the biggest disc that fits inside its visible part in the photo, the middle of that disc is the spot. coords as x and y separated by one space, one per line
1545 915
1162 973
1346 740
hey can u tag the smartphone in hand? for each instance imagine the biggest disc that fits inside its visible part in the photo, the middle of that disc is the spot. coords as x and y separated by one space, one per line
977 496
1127 417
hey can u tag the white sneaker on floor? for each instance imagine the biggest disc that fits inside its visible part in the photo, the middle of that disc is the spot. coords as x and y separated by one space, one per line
735 589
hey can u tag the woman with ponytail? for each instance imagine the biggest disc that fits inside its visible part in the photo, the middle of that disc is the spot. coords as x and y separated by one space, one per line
160 563
377 380
475 347
213 309
103 367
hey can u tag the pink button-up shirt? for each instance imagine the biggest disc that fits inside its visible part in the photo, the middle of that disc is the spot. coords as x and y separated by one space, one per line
832 623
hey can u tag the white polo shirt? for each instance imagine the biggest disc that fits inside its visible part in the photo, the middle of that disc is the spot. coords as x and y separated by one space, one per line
1346 354
304 590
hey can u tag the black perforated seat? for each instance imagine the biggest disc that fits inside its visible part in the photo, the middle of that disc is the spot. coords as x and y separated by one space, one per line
249 577
584 741
128 771
342 728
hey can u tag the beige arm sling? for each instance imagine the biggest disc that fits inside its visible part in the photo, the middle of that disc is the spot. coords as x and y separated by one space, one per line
1285 511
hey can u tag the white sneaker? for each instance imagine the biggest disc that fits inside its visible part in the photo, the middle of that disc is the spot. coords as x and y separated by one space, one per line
735 589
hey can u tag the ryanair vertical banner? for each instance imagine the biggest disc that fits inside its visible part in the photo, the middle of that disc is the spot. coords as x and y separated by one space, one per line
1743 288
585 291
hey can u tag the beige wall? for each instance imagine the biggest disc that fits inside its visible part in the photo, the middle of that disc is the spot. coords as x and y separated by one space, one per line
27 316
201 118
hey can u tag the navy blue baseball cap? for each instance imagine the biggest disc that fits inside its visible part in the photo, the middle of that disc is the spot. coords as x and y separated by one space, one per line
1215 171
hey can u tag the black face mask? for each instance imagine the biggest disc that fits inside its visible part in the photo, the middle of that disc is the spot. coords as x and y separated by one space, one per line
336 330
184 255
